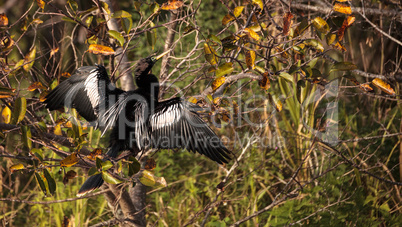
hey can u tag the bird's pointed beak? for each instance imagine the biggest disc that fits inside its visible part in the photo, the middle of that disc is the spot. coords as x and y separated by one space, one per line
161 55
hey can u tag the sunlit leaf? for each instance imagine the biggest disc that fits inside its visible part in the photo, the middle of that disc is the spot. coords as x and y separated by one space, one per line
96 153
385 87
210 54
121 14
6 92
105 7
26 136
214 39
287 23
51 182
106 165
37 21
321 25
57 130
41 4
227 18
286 76
70 160
339 46
342 8
238 10
365 87
3 20
265 82
343 66
275 102
100 49
6 115
218 82
330 38
223 69
252 34
20 108
259 3
315 44
117 36
108 178
36 85
147 178
250 59
16 167
172 5
29 59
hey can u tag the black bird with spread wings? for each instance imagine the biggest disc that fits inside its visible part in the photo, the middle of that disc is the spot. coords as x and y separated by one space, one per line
137 119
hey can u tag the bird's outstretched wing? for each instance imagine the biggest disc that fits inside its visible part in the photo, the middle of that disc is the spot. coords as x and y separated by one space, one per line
175 124
88 90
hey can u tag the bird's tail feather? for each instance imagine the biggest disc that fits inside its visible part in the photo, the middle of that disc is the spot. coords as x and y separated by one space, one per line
95 181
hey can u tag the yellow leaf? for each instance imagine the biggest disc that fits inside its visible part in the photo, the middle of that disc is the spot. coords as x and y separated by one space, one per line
36 85
100 49
218 82
57 130
210 54
96 153
37 21
29 59
54 51
41 4
339 46
42 96
259 3
250 59
252 34
238 10
365 87
227 18
6 115
3 20
192 100
385 87
16 167
320 25
69 160
342 8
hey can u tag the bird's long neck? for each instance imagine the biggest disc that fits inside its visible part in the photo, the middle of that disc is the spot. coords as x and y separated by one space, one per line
148 86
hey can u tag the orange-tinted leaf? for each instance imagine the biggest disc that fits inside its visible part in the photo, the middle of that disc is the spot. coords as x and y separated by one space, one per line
210 54
69 160
42 96
41 4
342 8
36 85
96 153
100 49
385 87
66 74
238 10
16 167
3 20
343 0
227 18
287 23
150 164
250 59
54 51
6 92
265 83
346 23
29 59
66 222
193 100
252 34
172 4
339 46
218 82
365 87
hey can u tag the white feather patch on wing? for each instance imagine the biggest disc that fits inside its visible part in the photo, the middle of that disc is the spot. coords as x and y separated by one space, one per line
91 87
166 117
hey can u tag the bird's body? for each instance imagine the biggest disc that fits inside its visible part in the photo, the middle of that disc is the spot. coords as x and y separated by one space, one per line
137 119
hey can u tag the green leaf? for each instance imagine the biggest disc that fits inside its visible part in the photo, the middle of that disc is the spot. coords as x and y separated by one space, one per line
286 76
127 24
154 7
321 25
315 44
300 94
343 66
26 136
151 38
133 167
29 60
73 5
210 54
88 21
106 165
147 178
98 163
38 153
107 177
117 36
93 171
50 181
223 69
41 183
214 39
121 14
20 108
68 19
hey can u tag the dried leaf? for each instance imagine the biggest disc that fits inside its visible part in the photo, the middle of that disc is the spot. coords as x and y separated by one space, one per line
250 59
3 20
150 164
343 8
172 5
238 10
100 49
385 87
346 23
287 23
96 153
252 34
70 160
265 82
339 46
36 85
54 51
41 3
227 18
365 87
218 82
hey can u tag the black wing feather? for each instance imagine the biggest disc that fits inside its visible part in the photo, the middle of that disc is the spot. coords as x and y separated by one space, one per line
177 122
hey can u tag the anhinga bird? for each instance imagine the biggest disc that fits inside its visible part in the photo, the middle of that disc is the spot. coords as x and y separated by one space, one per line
137 119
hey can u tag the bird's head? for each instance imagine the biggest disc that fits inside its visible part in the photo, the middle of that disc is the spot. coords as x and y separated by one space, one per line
145 65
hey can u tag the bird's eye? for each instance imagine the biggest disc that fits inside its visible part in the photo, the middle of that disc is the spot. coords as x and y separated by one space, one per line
153 59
